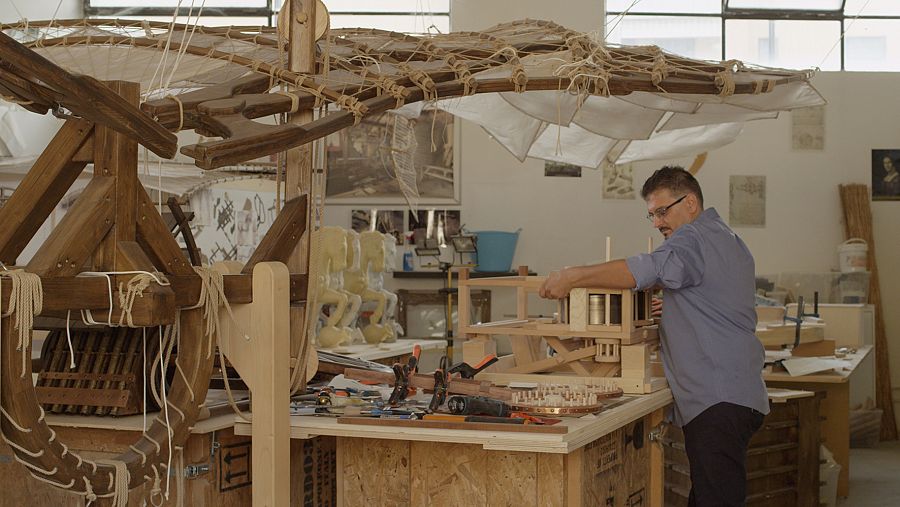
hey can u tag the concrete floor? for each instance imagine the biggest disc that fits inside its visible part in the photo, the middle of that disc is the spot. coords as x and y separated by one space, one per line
874 476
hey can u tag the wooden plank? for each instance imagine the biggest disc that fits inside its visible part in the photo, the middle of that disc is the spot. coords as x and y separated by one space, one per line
545 364
453 425
52 174
184 226
283 236
423 381
551 480
375 470
574 462
77 235
448 475
808 452
157 240
512 478
657 468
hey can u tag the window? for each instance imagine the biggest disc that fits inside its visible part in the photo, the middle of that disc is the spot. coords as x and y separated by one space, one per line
410 16
776 33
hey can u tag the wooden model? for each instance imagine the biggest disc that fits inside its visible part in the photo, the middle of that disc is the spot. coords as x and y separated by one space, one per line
590 343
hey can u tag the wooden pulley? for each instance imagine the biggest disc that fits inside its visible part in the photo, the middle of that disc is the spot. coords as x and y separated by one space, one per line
322 20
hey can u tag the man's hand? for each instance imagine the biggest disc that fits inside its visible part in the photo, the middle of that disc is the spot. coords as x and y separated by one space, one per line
656 305
556 286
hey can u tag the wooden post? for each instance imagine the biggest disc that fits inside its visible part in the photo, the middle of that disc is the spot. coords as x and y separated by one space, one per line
298 173
263 362
657 463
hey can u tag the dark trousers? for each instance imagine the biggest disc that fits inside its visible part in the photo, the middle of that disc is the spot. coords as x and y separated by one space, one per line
716 444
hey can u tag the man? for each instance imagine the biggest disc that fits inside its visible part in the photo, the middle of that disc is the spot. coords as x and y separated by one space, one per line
712 359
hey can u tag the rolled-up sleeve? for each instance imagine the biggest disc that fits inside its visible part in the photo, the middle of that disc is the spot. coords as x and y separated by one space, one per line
676 264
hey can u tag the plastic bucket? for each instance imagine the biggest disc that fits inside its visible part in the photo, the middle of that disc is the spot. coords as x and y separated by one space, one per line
496 250
853 255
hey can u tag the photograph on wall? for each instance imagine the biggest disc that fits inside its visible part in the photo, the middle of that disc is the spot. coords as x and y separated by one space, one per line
808 128
559 169
390 156
885 178
747 201
618 181
442 224
386 221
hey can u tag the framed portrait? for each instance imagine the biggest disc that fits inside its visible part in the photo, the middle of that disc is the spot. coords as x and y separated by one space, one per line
885 175
388 156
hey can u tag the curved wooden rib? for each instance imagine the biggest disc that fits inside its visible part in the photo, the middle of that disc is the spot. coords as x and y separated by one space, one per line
19 401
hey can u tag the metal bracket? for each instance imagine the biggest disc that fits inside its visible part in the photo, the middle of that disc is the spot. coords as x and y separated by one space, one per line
194 471
657 433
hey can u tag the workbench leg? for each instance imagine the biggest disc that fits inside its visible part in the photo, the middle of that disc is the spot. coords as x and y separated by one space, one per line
657 466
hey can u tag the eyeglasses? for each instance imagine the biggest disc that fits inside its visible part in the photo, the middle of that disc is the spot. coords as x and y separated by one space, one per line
661 212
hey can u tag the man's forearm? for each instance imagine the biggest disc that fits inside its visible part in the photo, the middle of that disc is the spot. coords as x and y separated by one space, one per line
608 275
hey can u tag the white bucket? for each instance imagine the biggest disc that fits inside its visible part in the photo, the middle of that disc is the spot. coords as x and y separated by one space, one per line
853 255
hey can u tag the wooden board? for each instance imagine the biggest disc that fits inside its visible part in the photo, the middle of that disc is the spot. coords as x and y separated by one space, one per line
628 385
451 425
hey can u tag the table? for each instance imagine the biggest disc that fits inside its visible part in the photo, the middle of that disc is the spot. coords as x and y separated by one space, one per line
606 459
835 408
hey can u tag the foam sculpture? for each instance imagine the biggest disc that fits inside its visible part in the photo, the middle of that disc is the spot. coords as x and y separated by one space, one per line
332 244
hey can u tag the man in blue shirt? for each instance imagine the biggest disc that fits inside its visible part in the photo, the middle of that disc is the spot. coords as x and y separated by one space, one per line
712 358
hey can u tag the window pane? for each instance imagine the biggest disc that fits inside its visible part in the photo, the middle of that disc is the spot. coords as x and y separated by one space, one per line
388 6
686 36
681 6
406 24
204 20
786 5
872 8
174 3
788 44
872 44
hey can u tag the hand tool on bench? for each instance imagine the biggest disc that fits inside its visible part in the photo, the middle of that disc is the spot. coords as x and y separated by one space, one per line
401 376
473 418
441 384
477 405
466 370
469 387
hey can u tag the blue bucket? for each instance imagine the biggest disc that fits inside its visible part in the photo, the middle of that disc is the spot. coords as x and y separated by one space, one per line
496 250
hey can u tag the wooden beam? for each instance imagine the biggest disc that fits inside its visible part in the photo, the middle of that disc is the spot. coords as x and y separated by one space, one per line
183 225
42 188
76 237
90 99
156 239
283 236
115 156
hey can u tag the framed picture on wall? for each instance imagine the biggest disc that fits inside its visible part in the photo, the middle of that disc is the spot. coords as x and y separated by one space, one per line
388 157
385 221
885 175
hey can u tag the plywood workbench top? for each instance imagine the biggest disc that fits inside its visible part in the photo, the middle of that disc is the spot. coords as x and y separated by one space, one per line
582 430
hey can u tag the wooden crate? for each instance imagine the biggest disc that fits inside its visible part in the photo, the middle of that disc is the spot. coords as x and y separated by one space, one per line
313 466
782 460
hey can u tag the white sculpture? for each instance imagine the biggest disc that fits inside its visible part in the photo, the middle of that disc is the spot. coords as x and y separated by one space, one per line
332 244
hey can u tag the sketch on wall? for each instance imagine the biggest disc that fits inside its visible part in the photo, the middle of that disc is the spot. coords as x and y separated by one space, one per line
618 181
362 160
885 178
747 201
808 128
229 224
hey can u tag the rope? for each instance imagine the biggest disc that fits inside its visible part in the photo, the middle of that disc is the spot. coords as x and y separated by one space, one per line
180 111
122 480
127 295
295 100
26 299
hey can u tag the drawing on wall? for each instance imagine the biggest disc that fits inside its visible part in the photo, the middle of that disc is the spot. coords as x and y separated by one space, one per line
885 178
618 181
361 162
239 220
747 201
559 169
386 221
808 128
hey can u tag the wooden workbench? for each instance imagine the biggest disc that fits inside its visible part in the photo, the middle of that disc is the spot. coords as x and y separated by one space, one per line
606 459
835 408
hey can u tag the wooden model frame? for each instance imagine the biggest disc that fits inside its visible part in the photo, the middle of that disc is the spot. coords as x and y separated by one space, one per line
584 352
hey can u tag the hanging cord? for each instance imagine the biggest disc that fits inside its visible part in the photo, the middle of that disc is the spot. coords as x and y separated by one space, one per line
131 293
26 299
121 480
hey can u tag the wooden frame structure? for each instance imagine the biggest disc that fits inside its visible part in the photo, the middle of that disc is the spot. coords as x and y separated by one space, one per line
617 348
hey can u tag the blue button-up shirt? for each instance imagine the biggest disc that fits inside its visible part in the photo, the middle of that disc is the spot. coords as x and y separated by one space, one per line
709 350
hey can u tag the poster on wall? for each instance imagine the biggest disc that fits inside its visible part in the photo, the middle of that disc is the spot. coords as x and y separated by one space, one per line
747 201
808 128
885 178
559 169
618 181
364 161
386 221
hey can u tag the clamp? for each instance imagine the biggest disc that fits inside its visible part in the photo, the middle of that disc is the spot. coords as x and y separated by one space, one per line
465 370
441 385
401 376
